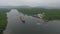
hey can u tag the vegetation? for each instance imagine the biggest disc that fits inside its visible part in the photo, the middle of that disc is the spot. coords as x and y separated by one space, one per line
3 19
50 14
30 11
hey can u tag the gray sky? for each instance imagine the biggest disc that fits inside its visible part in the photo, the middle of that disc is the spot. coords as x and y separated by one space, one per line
49 3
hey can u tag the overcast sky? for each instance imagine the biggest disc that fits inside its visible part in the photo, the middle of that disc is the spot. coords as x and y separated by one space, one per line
51 3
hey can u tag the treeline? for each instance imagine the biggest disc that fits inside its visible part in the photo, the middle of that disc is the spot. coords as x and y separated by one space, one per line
50 14
3 19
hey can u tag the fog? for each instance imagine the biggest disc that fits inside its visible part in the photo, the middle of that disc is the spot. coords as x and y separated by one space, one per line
33 3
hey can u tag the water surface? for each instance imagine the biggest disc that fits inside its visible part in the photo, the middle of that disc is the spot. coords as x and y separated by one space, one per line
32 25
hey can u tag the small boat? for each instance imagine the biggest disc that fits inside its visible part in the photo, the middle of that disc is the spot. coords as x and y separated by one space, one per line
22 19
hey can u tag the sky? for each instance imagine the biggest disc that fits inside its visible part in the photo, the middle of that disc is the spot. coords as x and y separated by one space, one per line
48 3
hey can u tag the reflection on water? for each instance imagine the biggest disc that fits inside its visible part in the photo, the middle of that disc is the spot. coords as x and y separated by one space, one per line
32 25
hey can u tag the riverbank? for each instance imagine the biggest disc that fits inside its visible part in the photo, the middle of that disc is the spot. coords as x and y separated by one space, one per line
3 19
32 25
50 14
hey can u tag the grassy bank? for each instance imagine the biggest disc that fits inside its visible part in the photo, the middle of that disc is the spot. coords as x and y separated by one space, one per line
50 14
3 19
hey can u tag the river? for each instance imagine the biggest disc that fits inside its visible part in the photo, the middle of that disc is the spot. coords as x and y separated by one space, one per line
31 26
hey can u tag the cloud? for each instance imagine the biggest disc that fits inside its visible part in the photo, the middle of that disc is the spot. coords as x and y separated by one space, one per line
30 2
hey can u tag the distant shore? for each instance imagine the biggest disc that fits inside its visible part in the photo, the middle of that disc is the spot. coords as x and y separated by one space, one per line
50 14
